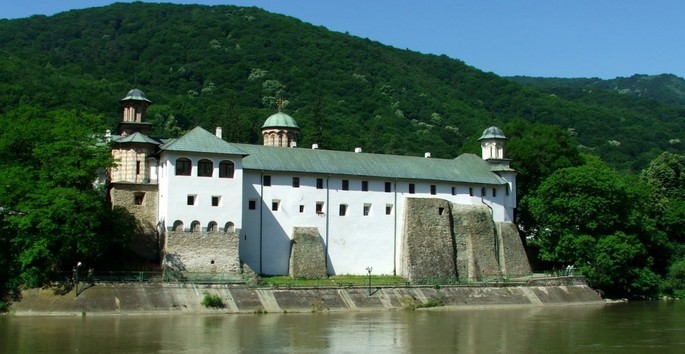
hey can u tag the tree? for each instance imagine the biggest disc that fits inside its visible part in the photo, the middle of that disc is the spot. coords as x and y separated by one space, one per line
54 212
590 217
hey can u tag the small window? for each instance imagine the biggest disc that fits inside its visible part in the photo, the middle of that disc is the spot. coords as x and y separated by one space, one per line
205 168
301 208
454 190
483 192
137 167
216 200
319 207
319 183
345 185
267 180
388 209
441 210
195 226
433 189
412 188
506 189
471 191
139 198
178 226
343 209
212 227
494 192
388 187
183 167
274 204
365 186
191 199
296 182
229 227
226 169
252 204
367 209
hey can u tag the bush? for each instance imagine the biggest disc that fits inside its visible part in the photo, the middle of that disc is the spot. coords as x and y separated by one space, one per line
4 307
213 301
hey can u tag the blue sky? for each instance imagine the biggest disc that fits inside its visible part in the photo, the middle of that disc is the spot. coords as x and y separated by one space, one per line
552 38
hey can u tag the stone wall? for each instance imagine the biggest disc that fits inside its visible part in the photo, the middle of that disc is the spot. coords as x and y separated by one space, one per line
474 231
146 242
307 254
202 251
444 240
428 245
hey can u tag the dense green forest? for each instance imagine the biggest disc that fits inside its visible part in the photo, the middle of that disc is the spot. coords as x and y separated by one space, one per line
226 66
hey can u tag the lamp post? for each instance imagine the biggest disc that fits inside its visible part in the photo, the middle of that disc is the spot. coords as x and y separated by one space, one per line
76 276
369 269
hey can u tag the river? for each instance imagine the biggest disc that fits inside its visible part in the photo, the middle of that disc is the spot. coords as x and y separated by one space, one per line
639 327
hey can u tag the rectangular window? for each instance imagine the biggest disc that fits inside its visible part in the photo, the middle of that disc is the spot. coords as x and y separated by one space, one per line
482 192
301 208
319 207
494 192
191 199
274 204
266 180
388 209
388 187
365 186
367 209
252 204
412 188
506 189
226 169
345 185
183 167
216 200
139 198
343 209
319 183
433 189
454 190
137 167
205 168
471 191
296 182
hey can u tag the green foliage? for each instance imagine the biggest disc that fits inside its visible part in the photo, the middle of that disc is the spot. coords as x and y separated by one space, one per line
212 300
53 214
675 281
4 307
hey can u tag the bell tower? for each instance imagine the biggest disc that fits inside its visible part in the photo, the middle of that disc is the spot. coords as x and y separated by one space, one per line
135 113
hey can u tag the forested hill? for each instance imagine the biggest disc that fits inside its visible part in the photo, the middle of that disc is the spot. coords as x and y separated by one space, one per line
227 65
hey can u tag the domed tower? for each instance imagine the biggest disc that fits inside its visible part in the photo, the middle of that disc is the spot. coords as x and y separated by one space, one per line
135 113
280 129
492 144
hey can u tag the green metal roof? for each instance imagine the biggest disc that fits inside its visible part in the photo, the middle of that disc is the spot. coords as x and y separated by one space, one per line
134 138
280 120
492 133
136 95
467 168
202 141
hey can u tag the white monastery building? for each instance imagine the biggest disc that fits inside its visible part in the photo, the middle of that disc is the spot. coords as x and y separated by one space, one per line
199 187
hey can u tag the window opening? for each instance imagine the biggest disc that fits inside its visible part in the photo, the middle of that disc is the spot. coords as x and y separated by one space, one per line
226 169
205 168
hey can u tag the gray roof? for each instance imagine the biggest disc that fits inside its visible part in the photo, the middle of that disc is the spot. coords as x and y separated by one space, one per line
202 141
492 133
136 95
134 138
467 168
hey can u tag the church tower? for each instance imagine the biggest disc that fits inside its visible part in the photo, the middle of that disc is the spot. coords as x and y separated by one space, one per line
492 144
135 113
280 129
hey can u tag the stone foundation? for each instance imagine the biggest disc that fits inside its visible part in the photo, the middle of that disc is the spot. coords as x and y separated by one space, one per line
307 254
203 252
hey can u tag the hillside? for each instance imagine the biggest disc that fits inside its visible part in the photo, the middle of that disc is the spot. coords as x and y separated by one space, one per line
226 65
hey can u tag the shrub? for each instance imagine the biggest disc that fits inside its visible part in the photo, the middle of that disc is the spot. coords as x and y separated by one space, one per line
212 300
4 307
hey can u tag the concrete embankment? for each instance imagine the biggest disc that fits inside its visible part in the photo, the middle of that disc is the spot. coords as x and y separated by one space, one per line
186 298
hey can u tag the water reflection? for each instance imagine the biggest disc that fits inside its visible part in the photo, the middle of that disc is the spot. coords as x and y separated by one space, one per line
634 328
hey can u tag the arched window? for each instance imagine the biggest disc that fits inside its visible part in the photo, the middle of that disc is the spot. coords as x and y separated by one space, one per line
211 227
195 226
178 226
183 166
226 169
205 168
230 227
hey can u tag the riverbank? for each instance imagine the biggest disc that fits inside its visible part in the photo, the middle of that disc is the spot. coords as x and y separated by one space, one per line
144 298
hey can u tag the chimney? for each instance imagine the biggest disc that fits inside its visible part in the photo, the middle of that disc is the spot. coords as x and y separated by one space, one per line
427 155
219 133
357 150
315 146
